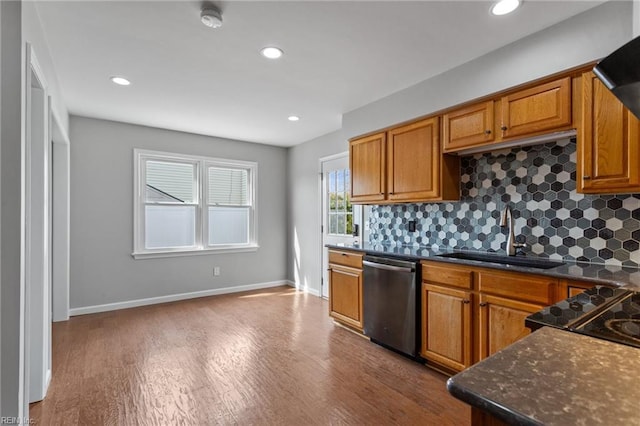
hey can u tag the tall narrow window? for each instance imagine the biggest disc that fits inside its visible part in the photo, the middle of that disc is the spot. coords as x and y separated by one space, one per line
340 208
188 204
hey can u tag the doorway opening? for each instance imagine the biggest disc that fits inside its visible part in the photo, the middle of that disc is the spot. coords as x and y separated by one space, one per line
342 222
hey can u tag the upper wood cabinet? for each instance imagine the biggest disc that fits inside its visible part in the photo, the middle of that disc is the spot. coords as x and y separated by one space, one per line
608 137
517 115
538 109
469 126
413 161
367 162
411 168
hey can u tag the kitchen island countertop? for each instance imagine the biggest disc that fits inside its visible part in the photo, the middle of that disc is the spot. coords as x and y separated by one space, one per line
555 377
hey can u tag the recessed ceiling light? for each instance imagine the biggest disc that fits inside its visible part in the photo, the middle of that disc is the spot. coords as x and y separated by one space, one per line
121 81
293 118
271 52
504 6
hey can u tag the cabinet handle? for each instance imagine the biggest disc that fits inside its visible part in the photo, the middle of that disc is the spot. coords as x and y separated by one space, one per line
586 177
466 301
503 128
483 304
343 254
391 193
487 132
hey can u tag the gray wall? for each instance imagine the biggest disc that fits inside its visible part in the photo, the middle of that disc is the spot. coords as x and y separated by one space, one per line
33 34
578 40
11 140
19 24
304 208
102 269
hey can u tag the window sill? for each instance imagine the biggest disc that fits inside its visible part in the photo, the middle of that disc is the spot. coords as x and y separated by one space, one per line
194 252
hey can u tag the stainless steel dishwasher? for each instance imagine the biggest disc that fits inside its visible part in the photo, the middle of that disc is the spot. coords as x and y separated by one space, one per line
391 304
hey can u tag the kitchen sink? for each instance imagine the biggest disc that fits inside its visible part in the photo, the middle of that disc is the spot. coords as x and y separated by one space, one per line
504 260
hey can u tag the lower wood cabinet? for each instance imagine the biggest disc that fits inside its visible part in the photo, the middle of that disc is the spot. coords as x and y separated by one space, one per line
470 313
446 322
501 323
345 288
570 288
482 418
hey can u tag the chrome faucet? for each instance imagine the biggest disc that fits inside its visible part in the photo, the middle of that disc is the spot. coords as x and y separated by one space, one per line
506 219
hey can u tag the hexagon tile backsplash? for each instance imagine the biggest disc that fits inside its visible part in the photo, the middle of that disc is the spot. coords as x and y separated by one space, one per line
539 183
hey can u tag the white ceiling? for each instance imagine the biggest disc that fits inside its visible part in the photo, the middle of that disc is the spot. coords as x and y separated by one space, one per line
339 55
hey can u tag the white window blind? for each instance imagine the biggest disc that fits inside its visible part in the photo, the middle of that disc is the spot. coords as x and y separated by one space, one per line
173 180
228 186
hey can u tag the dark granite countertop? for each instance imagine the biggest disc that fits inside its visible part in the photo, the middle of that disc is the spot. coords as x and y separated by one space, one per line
590 272
555 377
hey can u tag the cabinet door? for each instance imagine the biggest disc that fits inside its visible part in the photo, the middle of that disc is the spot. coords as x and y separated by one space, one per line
608 155
446 326
468 127
345 295
537 110
413 158
501 323
367 160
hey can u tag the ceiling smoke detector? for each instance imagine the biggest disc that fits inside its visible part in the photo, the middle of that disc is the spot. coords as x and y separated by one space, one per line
211 17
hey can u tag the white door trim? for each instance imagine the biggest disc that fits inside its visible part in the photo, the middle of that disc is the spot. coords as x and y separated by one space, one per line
37 226
321 213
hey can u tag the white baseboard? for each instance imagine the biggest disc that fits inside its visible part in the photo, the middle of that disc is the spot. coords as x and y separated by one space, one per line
305 289
172 298
47 381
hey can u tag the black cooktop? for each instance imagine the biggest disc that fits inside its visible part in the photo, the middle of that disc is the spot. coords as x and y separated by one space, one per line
602 312
619 323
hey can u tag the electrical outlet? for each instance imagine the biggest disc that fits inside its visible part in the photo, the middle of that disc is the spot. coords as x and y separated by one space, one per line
216 271
412 226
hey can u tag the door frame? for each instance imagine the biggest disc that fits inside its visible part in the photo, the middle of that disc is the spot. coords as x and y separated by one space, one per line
38 230
357 219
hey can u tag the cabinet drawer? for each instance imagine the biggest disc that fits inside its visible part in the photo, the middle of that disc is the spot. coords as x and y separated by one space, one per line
570 288
346 258
447 275
530 288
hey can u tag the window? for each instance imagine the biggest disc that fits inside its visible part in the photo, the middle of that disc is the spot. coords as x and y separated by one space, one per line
340 208
192 205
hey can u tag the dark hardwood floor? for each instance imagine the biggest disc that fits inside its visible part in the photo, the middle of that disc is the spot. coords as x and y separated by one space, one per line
264 357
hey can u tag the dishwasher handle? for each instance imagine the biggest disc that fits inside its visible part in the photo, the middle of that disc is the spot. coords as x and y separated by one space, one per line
386 267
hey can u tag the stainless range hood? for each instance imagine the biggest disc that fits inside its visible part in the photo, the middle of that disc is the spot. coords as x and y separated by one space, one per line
620 72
